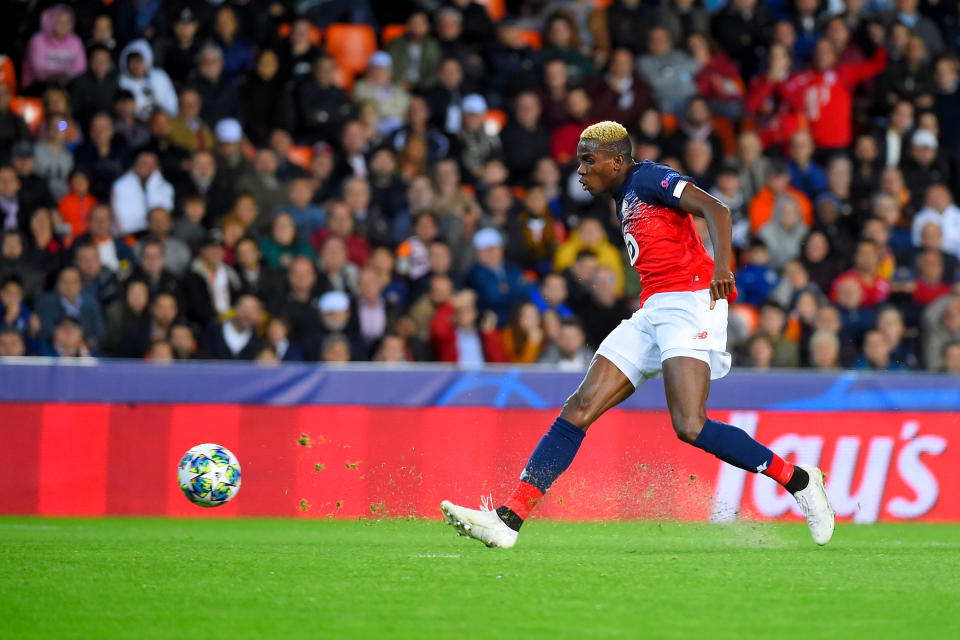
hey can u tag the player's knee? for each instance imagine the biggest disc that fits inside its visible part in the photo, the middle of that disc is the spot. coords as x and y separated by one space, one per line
578 410
687 425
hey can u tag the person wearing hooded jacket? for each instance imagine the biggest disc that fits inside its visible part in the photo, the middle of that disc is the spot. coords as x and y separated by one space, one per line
151 87
55 51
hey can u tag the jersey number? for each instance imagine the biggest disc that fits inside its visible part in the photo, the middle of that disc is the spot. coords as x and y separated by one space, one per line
633 249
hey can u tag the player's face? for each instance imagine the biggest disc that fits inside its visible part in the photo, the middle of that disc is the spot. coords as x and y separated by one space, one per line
598 168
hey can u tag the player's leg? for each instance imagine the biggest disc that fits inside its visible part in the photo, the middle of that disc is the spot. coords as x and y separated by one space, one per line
603 387
686 381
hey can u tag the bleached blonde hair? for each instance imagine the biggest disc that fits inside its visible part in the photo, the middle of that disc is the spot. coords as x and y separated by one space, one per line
605 132
609 135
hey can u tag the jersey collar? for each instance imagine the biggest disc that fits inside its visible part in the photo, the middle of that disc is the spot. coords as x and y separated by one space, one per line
622 190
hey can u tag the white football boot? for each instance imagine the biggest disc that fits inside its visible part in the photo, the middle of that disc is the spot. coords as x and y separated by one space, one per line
815 506
481 524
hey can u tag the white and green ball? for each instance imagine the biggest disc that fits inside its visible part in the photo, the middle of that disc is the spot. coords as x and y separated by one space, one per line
209 475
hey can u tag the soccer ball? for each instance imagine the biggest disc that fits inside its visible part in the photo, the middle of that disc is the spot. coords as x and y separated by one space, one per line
209 475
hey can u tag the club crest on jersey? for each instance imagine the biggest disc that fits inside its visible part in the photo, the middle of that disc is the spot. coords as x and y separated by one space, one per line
667 178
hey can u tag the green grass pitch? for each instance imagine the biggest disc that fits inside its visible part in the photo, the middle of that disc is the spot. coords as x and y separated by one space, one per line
146 578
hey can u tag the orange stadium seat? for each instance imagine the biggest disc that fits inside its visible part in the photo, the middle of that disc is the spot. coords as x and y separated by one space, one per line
532 38
301 156
496 8
602 4
351 45
30 109
8 73
494 120
392 32
748 315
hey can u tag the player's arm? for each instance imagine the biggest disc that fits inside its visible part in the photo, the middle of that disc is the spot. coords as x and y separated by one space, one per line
717 215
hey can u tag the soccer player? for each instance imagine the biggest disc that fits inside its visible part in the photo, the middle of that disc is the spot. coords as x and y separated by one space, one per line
680 332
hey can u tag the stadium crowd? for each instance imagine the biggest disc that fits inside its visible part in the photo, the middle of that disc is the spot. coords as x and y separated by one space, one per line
342 180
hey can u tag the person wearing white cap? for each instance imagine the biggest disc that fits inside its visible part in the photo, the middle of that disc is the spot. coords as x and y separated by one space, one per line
231 163
376 87
922 166
499 284
335 316
476 145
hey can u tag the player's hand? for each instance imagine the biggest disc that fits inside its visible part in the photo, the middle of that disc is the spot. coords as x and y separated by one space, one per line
720 287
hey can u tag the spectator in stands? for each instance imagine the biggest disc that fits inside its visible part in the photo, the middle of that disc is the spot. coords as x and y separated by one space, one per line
922 167
237 53
604 309
210 286
276 337
68 299
629 23
805 174
389 98
337 318
873 289
94 90
529 140
179 49
188 130
512 65
53 160
374 314
776 189
561 40
55 53
151 87
456 337
825 350
523 337
98 281
903 348
553 93
335 272
718 80
499 284
783 235
619 94
415 54
940 210
75 207
126 318
152 271
570 352
950 357
47 245
137 191
476 145
668 71
940 326
67 341
756 278
11 344
104 156
268 102
876 354
773 324
14 313
300 52
176 253
218 94
236 338
590 235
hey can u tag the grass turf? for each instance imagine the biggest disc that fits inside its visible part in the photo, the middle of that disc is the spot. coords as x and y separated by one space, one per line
145 578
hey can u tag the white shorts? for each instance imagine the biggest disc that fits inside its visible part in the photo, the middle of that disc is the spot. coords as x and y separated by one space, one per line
668 325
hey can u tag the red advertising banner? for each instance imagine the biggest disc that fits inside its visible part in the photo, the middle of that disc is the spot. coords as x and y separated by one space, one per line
349 461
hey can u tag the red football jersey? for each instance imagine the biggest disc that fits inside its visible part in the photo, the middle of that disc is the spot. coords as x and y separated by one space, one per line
663 243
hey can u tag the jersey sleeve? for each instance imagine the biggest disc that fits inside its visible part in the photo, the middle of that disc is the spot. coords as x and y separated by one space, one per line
661 184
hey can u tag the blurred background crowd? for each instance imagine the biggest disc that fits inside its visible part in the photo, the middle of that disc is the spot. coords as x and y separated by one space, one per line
348 180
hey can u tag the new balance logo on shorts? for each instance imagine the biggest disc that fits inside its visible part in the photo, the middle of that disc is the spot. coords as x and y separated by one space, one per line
701 336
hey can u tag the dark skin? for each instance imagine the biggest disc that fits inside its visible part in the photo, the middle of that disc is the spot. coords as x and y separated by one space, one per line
686 380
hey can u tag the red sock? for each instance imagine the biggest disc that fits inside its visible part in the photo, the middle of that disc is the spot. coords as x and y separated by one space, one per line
524 498
779 469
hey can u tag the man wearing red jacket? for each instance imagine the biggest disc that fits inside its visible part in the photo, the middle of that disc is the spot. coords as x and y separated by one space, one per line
824 94
455 337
